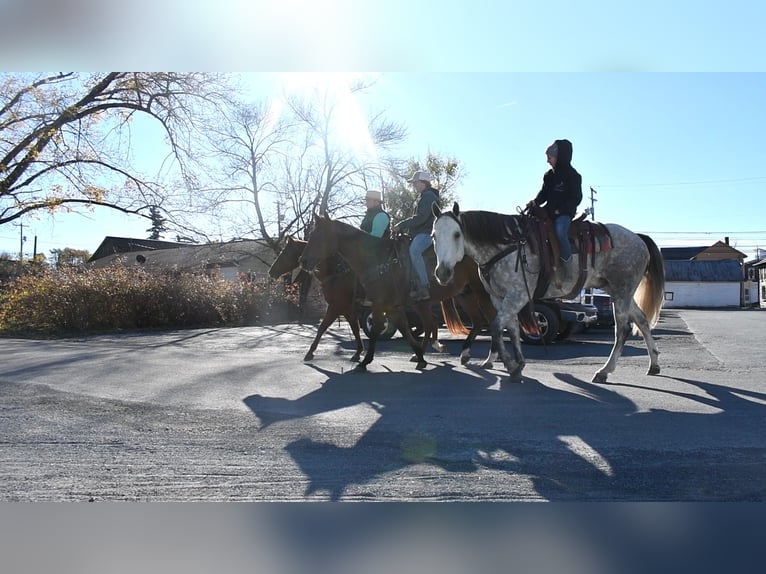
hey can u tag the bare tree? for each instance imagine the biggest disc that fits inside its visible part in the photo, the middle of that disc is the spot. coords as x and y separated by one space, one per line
65 139
339 173
268 169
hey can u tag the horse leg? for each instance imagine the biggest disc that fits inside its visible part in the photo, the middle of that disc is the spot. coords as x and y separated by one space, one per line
327 320
430 330
353 321
377 328
640 321
498 346
515 373
437 345
622 329
400 320
493 350
465 352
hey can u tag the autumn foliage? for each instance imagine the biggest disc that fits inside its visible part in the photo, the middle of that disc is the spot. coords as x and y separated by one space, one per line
78 301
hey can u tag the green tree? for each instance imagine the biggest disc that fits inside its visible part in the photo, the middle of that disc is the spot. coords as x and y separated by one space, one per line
401 197
158 223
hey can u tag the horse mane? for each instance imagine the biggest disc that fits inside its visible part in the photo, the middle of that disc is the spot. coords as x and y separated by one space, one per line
491 228
348 231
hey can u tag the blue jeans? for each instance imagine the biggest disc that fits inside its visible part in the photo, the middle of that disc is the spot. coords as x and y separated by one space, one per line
562 231
418 245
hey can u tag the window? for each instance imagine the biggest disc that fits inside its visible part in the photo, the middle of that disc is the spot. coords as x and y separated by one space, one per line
668 295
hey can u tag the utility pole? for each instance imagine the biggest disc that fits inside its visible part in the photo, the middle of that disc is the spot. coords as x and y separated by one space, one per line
22 239
593 201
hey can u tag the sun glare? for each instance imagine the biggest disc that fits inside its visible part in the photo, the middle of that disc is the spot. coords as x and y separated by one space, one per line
349 125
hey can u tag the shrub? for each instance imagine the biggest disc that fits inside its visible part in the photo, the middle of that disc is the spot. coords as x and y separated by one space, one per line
128 298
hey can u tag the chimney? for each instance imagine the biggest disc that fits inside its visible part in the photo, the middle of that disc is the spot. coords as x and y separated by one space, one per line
726 240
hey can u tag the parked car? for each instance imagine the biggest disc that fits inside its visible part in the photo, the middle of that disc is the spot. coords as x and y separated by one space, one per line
603 304
389 329
558 319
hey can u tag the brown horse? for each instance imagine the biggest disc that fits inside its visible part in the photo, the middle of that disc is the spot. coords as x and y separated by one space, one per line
338 287
386 282
342 294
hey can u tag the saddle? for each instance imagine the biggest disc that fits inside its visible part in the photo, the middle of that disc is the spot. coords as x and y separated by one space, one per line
585 237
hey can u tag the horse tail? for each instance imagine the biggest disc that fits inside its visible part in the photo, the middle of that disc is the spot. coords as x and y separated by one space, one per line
452 318
651 291
528 321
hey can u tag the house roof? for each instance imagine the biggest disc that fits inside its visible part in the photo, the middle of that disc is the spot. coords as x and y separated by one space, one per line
703 271
249 255
111 245
720 250
681 253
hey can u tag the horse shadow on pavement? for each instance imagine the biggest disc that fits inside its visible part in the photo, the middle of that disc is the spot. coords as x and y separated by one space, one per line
573 440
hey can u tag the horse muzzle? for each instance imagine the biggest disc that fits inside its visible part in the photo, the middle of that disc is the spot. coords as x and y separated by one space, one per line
443 274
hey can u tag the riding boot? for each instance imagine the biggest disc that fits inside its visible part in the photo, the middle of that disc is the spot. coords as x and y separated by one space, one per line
420 294
565 269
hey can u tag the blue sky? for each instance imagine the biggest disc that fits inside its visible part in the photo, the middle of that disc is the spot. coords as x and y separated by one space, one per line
678 156
662 100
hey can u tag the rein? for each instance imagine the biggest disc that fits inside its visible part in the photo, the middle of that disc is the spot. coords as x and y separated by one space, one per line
341 268
517 246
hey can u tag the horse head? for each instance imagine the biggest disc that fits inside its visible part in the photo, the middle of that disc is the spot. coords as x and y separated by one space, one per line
447 235
322 243
288 258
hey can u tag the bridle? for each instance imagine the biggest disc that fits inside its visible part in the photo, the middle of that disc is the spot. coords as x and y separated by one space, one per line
517 246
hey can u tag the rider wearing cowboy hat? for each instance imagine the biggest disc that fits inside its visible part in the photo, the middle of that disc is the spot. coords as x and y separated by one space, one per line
419 228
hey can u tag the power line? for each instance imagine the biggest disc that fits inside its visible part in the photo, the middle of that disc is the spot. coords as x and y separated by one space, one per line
761 232
708 182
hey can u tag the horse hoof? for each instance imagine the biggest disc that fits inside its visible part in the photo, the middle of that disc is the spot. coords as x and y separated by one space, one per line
464 359
440 348
414 359
355 358
486 365
360 368
653 370
516 379
421 365
308 357
599 378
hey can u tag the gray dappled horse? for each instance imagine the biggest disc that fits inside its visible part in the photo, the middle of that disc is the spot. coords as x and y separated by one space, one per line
632 272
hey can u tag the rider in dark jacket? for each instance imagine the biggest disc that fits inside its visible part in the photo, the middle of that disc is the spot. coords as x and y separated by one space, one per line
419 228
561 193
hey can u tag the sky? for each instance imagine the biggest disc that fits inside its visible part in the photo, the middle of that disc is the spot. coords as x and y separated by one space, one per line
663 102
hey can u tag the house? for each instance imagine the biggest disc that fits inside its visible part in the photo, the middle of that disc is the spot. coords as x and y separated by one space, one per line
703 283
710 276
231 260
757 274
112 245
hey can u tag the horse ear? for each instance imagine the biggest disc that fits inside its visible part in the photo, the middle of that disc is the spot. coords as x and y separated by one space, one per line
435 209
456 209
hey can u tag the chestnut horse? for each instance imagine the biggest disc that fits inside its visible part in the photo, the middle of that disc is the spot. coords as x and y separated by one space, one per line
341 292
338 287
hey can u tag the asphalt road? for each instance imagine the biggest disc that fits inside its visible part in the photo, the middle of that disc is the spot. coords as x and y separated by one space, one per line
236 414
